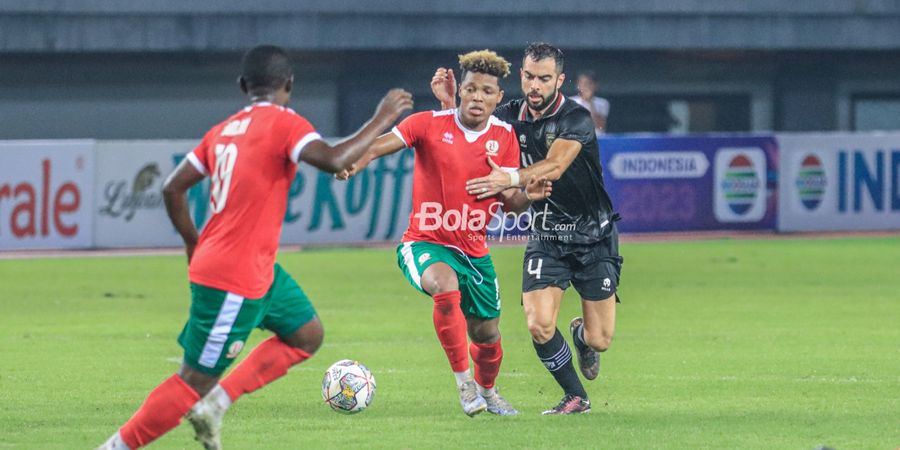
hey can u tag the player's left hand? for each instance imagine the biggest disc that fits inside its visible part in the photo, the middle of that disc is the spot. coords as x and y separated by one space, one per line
538 189
495 182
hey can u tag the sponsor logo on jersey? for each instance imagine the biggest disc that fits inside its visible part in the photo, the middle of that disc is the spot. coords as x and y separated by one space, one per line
811 182
492 147
448 138
550 138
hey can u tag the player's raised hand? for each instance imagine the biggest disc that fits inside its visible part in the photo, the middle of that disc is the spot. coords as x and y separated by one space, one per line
443 86
538 189
495 182
394 103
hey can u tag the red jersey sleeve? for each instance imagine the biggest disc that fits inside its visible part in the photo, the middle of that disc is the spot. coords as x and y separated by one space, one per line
300 132
413 128
199 157
509 158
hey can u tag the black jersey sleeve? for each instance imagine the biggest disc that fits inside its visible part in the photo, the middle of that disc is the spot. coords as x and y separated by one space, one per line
577 125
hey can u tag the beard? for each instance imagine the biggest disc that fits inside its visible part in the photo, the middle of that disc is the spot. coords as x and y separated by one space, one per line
545 101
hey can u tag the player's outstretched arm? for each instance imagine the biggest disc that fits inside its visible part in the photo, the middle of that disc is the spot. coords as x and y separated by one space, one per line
175 197
559 158
339 157
386 144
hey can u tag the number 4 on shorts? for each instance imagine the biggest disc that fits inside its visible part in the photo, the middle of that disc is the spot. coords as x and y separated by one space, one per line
535 271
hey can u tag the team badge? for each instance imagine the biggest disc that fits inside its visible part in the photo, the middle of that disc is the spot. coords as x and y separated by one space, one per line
235 349
424 257
550 138
493 147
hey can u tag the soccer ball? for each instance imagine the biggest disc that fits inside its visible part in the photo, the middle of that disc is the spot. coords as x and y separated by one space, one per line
348 387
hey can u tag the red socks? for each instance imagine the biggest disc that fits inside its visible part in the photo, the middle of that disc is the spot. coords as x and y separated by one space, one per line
164 407
450 325
487 358
269 361
161 411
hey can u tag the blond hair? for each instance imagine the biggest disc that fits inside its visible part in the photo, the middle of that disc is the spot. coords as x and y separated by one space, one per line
484 61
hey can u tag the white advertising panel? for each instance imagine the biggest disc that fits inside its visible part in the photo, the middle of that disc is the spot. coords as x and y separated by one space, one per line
373 206
129 209
46 194
839 182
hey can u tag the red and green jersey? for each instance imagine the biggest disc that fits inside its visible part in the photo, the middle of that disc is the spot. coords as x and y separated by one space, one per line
448 154
251 158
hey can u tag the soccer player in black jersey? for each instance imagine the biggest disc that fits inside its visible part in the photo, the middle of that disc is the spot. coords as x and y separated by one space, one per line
573 239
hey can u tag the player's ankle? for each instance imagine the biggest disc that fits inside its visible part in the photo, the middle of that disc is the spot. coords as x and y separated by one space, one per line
487 392
462 377
218 396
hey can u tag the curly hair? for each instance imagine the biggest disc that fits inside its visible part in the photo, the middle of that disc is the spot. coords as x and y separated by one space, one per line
484 61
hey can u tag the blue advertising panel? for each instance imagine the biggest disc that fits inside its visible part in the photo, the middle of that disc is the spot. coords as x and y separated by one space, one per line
692 183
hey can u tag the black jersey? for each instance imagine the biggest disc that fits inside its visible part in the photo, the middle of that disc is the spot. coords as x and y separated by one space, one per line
579 211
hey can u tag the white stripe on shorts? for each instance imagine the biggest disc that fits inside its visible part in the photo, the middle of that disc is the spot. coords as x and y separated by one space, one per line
409 260
215 343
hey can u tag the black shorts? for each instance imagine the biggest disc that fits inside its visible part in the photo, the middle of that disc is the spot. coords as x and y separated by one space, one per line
594 269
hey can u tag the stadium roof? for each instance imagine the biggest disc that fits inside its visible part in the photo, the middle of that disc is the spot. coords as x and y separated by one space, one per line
193 25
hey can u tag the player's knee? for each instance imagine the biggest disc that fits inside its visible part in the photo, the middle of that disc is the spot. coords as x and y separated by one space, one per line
441 284
486 335
308 338
540 332
200 382
313 343
598 341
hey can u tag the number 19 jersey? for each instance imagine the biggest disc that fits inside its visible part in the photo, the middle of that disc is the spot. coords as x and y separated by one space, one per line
251 159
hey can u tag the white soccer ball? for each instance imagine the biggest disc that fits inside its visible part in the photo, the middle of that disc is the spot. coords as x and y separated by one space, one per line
348 387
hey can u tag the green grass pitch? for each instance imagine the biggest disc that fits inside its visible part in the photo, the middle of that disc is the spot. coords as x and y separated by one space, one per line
738 344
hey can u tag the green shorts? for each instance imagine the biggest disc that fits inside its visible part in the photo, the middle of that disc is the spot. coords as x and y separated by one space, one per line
477 279
220 322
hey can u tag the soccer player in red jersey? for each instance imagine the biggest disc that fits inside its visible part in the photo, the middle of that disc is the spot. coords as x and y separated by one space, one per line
443 253
236 285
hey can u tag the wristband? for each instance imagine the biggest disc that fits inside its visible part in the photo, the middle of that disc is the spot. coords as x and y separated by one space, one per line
514 178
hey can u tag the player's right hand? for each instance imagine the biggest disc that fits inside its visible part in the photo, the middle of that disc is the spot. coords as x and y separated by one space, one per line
443 86
394 103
